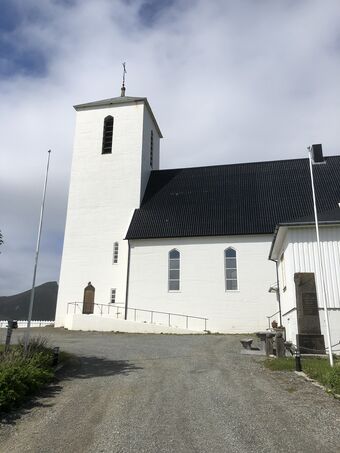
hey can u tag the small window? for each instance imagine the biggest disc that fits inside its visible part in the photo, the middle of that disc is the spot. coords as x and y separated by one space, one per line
230 269
113 296
115 252
174 270
107 135
151 149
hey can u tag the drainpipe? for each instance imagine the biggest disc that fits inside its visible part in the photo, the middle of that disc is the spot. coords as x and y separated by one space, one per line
278 290
127 282
278 295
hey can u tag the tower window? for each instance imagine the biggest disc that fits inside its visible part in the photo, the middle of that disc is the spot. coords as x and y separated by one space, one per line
230 269
115 253
151 149
107 135
113 296
174 270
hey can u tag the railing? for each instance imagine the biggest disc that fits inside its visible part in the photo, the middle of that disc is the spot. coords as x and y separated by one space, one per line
270 317
169 315
101 309
119 312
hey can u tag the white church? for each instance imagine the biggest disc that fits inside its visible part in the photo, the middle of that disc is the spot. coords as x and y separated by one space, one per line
216 248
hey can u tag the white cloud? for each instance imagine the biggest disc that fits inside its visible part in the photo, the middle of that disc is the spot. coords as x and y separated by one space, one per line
228 81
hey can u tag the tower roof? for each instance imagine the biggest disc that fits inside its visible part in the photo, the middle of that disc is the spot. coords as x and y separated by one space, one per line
110 101
121 100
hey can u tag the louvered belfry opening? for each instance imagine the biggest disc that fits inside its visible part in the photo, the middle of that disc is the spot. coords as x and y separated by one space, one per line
107 135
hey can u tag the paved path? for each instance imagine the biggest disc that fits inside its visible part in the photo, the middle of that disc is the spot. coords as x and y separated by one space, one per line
162 393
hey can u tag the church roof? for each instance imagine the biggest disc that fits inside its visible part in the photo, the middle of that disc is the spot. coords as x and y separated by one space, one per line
120 100
238 199
324 217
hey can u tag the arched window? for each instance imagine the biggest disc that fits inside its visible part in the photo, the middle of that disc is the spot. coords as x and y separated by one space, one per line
151 149
174 270
107 135
230 269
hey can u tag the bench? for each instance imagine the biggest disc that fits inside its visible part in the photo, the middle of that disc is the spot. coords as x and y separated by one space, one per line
246 343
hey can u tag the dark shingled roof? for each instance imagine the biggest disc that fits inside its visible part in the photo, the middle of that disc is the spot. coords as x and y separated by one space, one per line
324 217
240 199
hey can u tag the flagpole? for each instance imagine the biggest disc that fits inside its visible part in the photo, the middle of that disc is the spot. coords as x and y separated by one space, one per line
29 319
320 264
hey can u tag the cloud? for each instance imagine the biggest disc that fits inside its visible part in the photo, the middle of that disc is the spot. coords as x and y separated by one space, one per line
228 82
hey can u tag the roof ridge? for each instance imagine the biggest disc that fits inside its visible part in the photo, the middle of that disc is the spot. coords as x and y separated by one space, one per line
240 163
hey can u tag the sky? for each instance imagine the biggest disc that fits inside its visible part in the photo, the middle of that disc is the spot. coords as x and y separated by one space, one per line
228 81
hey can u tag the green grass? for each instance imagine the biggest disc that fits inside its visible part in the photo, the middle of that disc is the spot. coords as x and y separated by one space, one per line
284 364
316 368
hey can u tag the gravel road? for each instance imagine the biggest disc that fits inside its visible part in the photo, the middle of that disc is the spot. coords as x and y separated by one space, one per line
169 393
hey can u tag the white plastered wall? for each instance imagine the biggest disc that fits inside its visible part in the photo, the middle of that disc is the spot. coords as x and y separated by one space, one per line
148 126
104 191
202 292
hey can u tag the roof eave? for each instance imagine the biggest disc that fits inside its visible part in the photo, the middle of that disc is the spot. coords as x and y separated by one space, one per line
285 225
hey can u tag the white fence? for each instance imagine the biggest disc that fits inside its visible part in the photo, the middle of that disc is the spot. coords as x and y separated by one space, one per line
22 324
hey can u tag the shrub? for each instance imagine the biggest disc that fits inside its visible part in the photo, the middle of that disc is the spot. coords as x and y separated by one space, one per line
22 375
36 344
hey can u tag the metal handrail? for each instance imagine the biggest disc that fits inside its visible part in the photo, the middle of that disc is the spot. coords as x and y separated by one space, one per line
169 316
135 310
109 307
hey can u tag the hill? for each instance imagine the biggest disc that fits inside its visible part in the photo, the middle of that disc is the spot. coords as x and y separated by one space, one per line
45 300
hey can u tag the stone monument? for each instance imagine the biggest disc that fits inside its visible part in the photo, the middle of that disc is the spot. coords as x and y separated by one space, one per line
88 300
309 339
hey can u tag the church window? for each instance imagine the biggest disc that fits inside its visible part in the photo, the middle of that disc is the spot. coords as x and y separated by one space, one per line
115 252
113 296
174 270
230 269
151 149
107 135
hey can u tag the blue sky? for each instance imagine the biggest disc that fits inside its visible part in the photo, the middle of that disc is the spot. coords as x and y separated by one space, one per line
228 82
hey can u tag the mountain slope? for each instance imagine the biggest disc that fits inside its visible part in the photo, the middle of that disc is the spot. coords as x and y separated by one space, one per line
45 300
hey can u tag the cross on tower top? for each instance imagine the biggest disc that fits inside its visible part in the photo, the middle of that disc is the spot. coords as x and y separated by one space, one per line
123 84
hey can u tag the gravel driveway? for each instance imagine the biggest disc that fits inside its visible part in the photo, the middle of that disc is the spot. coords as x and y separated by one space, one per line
169 393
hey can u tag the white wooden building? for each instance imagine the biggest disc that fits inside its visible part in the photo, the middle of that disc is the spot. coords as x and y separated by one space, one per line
294 248
183 248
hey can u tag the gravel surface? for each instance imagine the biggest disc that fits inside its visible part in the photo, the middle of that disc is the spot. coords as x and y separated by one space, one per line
169 393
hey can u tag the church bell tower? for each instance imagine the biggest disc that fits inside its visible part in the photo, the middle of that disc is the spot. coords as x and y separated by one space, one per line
116 146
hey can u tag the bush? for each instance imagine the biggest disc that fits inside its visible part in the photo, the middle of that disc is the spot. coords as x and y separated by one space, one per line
22 375
36 344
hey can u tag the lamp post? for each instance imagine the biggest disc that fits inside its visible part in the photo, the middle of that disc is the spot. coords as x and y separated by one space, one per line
315 156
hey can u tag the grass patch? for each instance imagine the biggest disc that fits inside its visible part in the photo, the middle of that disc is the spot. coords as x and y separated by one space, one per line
316 368
281 364
23 374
